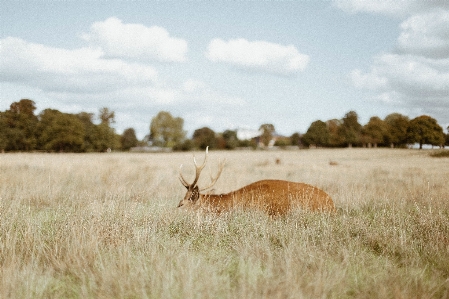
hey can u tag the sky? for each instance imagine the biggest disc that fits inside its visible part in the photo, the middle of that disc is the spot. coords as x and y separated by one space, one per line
228 64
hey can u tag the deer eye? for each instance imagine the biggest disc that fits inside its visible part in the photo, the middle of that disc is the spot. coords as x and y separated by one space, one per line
194 195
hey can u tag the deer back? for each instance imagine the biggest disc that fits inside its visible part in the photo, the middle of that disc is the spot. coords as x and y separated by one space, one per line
272 196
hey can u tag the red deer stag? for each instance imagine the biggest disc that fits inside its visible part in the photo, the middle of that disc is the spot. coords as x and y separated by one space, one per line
275 197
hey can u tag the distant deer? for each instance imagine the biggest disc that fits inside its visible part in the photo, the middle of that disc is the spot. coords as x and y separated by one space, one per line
275 197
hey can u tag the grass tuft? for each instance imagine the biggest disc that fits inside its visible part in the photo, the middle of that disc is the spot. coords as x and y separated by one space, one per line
440 154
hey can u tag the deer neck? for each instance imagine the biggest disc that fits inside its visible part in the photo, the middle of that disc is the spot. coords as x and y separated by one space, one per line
216 202
209 198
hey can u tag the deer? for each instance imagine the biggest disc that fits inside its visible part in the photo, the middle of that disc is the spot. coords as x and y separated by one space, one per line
274 197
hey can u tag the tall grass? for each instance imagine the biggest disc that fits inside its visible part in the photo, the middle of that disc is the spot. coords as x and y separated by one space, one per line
106 226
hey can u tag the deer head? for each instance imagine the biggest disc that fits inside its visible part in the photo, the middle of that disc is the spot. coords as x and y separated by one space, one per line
193 191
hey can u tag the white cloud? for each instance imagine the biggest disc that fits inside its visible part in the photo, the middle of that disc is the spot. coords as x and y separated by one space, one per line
83 70
415 76
372 81
426 34
416 83
409 75
258 56
136 41
85 79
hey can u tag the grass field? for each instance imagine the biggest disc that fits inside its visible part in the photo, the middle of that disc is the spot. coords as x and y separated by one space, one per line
106 226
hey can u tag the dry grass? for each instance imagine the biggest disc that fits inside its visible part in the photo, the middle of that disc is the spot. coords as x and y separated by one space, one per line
106 226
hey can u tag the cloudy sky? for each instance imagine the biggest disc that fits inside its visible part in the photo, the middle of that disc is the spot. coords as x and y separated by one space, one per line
228 64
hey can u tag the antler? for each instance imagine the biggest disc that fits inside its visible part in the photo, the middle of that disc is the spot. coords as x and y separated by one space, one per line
198 170
181 178
214 180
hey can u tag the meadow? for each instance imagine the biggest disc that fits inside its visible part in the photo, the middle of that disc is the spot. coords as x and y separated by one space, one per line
107 226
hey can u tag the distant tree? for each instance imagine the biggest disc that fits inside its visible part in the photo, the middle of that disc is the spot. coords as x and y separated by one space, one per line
248 143
104 135
3 130
184 146
101 137
106 116
230 139
295 139
335 140
166 130
282 141
60 132
350 129
204 137
91 143
20 123
397 125
128 139
220 141
317 134
267 135
425 130
105 138
447 136
24 107
374 132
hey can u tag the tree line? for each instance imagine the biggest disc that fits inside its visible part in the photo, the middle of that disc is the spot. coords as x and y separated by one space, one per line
396 130
55 131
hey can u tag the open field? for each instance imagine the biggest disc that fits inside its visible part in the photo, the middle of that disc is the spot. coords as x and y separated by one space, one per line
106 226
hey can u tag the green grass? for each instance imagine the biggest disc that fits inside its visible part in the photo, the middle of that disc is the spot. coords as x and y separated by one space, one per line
106 226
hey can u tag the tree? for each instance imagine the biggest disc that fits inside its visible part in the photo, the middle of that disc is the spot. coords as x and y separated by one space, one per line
283 141
106 116
166 130
20 123
3 130
397 125
101 137
425 130
350 129
333 126
184 146
90 130
230 139
128 139
105 138
374 131
204 137
24 107
317 134
267 135
295 139
60 132
447 137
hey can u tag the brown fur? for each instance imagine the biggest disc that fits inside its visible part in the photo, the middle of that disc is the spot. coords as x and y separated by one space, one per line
275 197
